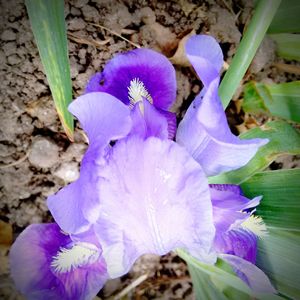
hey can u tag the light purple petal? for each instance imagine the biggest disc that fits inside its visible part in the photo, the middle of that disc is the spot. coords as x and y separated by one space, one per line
229 196
204 132
31 257
66 206
206 57
102 116
154 198
150 67
249 273
148 121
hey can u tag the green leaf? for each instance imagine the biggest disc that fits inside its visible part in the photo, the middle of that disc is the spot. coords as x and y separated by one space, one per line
286 18
49 29
278 257
280 207
281 100
288 45
284 139
252 38
279 252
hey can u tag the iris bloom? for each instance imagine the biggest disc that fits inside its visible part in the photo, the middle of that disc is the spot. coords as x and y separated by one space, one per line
141 192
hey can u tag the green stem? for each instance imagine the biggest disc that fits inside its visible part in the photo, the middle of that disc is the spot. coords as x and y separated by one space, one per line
250 42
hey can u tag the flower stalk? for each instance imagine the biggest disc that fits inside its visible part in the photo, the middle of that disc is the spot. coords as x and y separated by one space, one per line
257 28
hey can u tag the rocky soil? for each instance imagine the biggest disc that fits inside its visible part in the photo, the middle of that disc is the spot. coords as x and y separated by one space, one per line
37 159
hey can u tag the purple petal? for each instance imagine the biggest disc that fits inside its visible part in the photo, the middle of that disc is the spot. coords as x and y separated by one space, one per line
102 117
151 68
204 132
66 205
206 56
148 121
238 242
249 273
31 260
228 196
150 204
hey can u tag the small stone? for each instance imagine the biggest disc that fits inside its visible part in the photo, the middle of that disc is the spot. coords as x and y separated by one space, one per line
76 24
14 59
90 14
9 48
80 3
8 35
147 15
44 153
68 172
75 11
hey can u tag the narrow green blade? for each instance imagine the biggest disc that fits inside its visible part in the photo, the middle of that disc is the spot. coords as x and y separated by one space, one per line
279 252
49 29
256 29
288 45
284 139
278 256
280 207
286 18
281 100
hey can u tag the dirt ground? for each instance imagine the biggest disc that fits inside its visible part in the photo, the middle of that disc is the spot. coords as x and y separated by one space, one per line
37 159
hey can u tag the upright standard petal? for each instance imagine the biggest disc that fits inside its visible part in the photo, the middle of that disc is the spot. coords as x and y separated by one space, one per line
205 55
154 198
104 118
136 73
46 265
205 133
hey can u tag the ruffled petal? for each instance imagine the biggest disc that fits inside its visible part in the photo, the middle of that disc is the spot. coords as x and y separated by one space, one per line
102 116
32 260
206 57
151 68
249 273
150 204
204 132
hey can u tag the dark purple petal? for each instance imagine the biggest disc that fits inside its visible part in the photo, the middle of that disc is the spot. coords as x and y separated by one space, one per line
154 198
204 132
102 117
32 269
239 242
230 210
206 57
172 122
249 273
151 68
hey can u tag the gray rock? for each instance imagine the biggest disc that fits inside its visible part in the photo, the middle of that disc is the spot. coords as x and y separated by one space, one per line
90 14
68 172
8 35
44 153
76 24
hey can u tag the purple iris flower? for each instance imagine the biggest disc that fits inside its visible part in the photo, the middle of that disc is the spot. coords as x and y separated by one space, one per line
139 191
46 264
